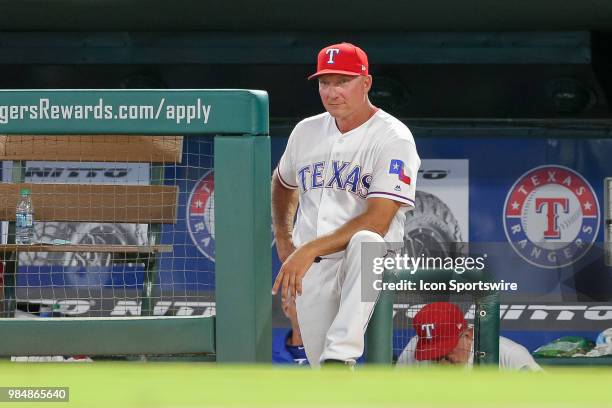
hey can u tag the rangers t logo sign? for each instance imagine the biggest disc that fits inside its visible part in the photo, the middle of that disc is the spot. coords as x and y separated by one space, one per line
551 216
201 215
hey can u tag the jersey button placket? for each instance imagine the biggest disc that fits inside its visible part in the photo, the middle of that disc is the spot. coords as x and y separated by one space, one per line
322 218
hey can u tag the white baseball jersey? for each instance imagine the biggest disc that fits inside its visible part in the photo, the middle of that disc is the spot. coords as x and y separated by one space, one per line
335 172
512 356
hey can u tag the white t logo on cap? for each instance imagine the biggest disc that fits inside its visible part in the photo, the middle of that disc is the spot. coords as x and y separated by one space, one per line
428 329
331 52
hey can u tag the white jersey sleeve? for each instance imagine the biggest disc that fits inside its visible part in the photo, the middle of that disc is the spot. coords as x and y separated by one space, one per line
395 172
513 356
286 165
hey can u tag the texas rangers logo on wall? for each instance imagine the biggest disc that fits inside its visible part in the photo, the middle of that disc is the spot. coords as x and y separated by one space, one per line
551 216
201 215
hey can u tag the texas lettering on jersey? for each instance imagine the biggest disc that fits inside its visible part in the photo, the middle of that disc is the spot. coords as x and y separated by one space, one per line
343 176
336 173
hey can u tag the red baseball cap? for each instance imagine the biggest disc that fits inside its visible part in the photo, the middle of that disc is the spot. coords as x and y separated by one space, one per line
438 326
343 58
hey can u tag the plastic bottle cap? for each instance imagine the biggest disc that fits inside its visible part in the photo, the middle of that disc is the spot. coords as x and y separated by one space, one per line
25 191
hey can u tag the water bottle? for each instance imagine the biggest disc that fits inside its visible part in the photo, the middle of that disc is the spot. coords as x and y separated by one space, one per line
24 220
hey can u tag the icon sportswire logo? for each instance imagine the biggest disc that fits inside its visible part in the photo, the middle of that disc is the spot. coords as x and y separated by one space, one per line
551 216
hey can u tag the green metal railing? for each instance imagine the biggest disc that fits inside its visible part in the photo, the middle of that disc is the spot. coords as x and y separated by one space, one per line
239 120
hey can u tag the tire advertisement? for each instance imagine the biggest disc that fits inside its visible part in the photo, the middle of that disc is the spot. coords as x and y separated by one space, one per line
440 218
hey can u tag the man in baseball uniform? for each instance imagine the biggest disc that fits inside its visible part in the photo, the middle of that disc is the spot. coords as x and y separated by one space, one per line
348 177
444 337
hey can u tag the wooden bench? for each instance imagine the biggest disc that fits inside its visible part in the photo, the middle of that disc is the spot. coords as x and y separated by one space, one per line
153 204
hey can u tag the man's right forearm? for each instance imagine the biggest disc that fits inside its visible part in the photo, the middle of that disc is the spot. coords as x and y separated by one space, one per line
284 206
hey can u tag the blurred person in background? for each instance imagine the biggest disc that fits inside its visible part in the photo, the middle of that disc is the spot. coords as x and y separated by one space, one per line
289 348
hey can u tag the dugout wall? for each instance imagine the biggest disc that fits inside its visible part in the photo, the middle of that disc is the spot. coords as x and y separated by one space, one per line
237 121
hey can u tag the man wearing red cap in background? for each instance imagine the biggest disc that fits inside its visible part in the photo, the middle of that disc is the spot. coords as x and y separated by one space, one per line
352 170
443 336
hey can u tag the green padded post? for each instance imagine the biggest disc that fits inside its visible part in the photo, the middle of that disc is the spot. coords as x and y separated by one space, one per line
486 321
243 269
379 336
486 329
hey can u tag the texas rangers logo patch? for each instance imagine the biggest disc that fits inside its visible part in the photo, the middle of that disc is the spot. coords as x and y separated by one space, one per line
397 167
551 216
201 215
331 52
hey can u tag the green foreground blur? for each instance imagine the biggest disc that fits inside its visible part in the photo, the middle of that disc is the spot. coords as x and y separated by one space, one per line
102 384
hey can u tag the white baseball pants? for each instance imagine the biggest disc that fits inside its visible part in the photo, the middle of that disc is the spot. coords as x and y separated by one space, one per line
331 314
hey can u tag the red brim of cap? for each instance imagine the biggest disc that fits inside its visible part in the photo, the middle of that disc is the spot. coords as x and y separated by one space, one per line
332 71
430 350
